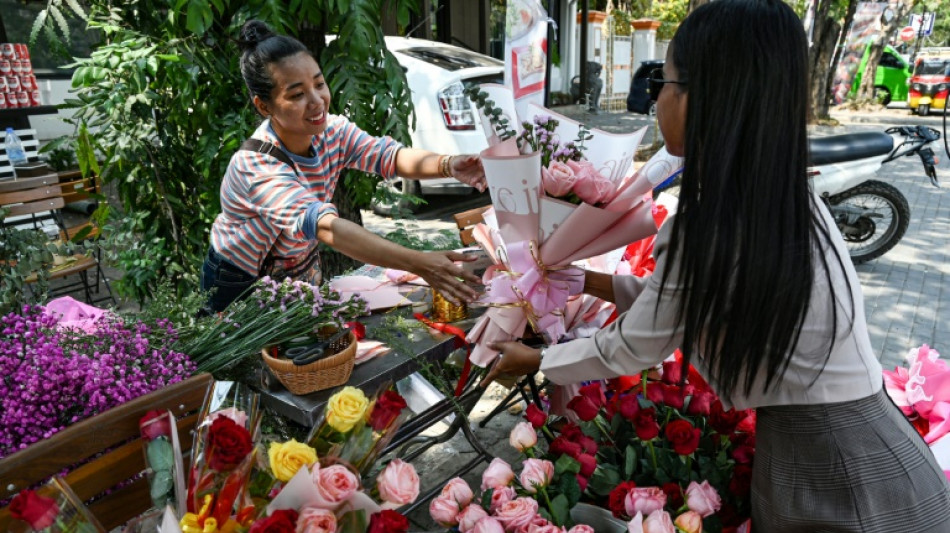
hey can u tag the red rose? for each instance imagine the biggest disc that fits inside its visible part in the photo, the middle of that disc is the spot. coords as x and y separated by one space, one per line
700 403
594 393
674 495
741 480
358 329
572 431
536 416
281 521
683 436
674 396
748 422
724 422
588 464
387 521
582 405
672 372
563 446
159 428
655 392
387 408
587 444
629 406
744 454
646 425
582 481
37 511
617 497
228 444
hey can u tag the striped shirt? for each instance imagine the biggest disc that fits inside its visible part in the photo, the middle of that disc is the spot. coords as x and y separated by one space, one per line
265 205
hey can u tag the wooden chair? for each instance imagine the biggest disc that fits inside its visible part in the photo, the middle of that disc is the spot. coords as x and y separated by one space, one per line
35 203
112 444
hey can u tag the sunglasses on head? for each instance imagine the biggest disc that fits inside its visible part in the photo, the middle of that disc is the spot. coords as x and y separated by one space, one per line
657 81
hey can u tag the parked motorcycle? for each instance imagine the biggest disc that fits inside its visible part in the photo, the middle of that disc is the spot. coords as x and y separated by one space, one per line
871 215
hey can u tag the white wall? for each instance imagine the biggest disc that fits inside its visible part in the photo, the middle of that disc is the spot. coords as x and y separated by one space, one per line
49 127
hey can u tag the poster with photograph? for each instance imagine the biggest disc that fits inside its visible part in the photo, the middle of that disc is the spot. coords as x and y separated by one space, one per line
526 49
866 26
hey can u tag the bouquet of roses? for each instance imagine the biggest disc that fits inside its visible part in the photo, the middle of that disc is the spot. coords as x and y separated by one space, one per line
533 234
224 454
355 429
163 460
660 443
53 508
922 392
322 495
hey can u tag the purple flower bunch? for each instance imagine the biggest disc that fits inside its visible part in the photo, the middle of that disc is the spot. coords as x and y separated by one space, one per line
541 135
53 377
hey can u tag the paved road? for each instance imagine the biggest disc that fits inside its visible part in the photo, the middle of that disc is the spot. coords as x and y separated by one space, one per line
907 291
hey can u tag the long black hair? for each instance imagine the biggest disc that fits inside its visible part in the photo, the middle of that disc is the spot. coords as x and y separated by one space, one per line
261 47
747 235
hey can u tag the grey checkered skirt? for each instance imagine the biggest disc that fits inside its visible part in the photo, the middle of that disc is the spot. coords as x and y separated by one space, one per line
854 466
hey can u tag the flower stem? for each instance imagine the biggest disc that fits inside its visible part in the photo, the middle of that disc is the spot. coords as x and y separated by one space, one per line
652 454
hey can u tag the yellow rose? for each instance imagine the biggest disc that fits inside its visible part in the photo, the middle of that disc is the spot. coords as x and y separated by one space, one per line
346 408
286 458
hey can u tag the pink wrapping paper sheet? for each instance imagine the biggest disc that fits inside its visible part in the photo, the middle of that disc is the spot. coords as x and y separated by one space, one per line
75 314
514 183
378 295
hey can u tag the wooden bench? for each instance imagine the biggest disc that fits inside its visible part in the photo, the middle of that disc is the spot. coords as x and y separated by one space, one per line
466 220
113 447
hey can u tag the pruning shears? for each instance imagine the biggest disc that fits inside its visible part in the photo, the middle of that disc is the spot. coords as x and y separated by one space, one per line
309 353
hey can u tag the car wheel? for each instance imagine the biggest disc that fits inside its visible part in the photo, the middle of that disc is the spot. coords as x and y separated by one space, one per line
923 110
652 111
401 205
882 95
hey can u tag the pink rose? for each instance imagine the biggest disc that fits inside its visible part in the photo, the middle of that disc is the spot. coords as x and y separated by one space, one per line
581 528
644 500
488 525
689 522
659 521
470 516
523 436
558 179
702 498
547 528
398 483
239 417
590 186
458 491
316 520
445 511
498 474
517 512
536 474
501 496
536 523
335 484
635 525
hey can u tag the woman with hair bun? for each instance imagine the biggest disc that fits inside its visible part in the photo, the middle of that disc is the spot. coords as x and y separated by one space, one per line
754 284
275 194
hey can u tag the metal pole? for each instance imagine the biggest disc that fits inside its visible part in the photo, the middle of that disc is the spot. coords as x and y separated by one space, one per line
585 10
547 59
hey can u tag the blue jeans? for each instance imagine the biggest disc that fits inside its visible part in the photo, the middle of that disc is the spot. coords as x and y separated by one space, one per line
225 281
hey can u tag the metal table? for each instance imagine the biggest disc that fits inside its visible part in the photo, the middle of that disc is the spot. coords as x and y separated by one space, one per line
408 443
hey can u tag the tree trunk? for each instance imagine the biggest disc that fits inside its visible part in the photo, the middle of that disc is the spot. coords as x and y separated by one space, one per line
889 29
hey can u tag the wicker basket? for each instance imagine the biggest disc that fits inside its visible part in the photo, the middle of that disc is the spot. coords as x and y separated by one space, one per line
322 374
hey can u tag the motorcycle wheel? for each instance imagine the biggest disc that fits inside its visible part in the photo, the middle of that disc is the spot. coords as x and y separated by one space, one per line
869 237
923 110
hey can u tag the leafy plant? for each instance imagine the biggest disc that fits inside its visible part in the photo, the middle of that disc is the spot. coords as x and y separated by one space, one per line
165 99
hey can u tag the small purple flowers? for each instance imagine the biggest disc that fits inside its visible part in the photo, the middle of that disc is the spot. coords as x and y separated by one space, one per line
55 377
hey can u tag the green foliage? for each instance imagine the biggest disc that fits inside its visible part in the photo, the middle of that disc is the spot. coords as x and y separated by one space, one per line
26 252
670 13
166 107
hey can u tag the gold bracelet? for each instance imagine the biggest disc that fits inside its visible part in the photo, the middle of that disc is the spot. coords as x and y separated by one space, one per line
446 166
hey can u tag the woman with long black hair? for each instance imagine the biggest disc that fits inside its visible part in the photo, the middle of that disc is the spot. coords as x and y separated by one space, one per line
754 285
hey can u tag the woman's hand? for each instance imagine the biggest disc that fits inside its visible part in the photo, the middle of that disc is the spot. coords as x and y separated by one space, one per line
515 359
442 274
468 170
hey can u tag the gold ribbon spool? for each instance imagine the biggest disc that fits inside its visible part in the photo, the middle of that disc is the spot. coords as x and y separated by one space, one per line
445 311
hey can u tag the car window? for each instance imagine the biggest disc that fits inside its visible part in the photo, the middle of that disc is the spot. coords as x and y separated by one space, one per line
451 58
888 60
930 68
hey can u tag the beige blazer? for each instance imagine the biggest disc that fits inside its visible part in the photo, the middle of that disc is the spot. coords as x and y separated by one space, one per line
647 332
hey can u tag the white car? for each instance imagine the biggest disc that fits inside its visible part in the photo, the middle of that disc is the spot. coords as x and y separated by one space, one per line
446 121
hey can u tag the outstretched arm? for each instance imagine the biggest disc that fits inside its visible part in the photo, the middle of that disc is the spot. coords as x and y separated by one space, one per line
422 164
